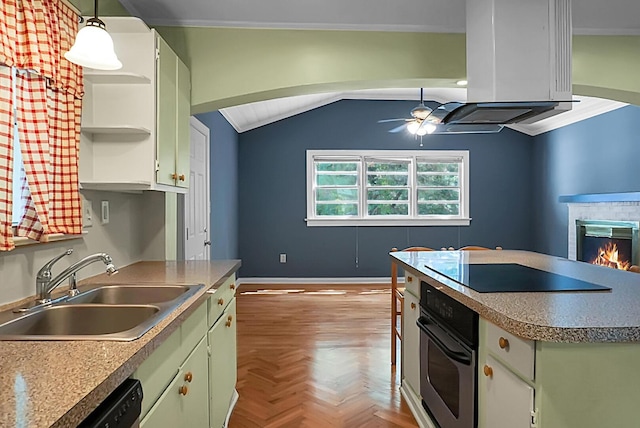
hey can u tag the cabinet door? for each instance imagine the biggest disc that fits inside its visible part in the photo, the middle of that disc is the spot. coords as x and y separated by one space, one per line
222 365
411 342
185 401
167 110
508 398
195 376
183 127
165 413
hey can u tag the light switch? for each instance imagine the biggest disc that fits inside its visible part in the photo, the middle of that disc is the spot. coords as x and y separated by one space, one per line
87 218
104 212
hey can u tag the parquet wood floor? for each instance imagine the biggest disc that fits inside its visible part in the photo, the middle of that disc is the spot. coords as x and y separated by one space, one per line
316 356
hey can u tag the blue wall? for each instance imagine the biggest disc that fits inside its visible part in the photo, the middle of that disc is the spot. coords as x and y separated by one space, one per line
272 198
598 155
223 185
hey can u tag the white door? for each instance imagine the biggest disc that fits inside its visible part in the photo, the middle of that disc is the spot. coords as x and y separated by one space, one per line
197 241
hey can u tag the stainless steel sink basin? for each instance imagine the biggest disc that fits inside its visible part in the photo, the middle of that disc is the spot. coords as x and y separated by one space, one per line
109 312
131 294
79 320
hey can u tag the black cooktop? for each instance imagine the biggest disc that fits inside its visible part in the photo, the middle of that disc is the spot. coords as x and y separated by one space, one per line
511 277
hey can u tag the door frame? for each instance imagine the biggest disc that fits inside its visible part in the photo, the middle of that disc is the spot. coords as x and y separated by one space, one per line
203 129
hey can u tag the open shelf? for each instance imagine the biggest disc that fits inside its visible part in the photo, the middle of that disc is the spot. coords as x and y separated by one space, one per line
116 129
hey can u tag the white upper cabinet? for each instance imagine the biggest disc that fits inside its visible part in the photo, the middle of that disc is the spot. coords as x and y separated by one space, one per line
134 119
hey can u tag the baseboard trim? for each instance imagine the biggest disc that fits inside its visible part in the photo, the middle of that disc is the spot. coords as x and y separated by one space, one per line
413 401
352 280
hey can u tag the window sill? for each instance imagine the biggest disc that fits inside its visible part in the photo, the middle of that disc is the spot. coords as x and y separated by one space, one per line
21 241
388 222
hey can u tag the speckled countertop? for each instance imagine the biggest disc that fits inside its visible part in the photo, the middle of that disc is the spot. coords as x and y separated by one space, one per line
58 383
576 316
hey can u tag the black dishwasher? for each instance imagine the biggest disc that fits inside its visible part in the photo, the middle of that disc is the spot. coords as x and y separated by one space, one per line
121 408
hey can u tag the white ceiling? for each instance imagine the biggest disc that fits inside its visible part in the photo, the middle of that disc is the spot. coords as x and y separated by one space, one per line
589 16
610 17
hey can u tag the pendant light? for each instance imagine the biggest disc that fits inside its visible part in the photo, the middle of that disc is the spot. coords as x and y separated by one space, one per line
93 47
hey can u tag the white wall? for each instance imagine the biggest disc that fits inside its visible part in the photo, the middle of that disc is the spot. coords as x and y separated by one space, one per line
124 238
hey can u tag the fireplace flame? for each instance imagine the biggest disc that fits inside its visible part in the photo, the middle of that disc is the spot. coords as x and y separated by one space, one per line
608 256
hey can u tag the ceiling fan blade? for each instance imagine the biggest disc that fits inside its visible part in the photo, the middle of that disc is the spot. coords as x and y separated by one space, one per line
398 128
393 120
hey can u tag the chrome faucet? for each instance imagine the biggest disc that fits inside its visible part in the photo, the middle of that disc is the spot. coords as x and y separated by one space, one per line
45 284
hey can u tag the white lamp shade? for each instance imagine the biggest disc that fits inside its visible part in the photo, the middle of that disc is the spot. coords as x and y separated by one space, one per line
94 49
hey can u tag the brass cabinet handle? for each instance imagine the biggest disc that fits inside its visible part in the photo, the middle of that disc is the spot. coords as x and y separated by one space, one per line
232 286
188 377
229 319
409 279
413 305
488 371
221 302
174 176
183 390
504 343
181 177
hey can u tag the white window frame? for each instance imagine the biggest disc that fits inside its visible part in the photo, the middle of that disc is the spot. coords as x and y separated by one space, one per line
363 219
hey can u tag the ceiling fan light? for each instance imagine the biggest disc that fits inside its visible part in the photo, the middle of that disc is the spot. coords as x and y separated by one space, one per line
413 127
93 48
421 131
429 128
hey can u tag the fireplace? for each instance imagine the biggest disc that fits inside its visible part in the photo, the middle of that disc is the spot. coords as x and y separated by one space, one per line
607 243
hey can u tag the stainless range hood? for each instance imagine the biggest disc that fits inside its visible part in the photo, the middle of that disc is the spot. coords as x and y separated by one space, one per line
518 66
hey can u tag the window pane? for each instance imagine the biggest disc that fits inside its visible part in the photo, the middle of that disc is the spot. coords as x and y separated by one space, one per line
388 195
438 180
388 209
438 167
336 166
387 180
336 180
387 167
438 209
336 209
337 195
438 195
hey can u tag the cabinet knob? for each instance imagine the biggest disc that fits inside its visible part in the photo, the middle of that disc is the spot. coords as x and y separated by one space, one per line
409 279
229 319
188 377
413 305
174 176
504 343
183 390
221 302
488 371
181 177
232 286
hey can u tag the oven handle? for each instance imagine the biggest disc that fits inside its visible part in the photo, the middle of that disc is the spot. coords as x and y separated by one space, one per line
460 357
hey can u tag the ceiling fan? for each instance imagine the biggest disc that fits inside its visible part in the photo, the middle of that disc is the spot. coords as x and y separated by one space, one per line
414 124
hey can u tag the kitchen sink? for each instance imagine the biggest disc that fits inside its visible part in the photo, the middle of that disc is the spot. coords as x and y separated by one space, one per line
131 294
108 312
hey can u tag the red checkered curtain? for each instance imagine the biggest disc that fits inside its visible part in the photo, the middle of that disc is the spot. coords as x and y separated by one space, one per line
34 35
6 158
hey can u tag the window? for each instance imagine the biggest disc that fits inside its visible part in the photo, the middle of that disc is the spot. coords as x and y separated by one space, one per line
18 172
387 188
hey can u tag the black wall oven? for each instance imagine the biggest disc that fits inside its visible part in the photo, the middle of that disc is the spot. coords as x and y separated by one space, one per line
448 359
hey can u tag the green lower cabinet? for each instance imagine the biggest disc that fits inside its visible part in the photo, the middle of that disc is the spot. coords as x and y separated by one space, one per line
185 401
222 365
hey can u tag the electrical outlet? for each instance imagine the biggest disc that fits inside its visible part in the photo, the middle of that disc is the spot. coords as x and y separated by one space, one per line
87 218
104 212
283 258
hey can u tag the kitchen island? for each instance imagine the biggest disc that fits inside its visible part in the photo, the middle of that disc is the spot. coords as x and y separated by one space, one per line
571 357
58 383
